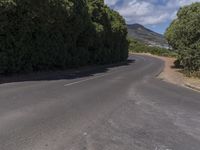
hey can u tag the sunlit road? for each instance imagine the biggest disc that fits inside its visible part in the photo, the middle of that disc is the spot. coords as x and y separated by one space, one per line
122 107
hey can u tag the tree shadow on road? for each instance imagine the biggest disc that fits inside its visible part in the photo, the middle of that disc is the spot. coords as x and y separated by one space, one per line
62 75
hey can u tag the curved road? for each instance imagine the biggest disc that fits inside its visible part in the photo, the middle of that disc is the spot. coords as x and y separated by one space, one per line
120 107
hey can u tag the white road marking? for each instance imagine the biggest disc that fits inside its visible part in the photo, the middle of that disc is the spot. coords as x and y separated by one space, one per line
80 81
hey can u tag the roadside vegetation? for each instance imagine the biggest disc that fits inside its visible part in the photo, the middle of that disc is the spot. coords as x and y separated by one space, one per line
139 47
184 36
38 35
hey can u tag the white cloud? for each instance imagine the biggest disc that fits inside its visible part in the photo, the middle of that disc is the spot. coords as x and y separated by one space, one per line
111 2
187 2
148 12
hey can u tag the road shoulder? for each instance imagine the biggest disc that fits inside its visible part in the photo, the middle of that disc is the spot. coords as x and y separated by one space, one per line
173 75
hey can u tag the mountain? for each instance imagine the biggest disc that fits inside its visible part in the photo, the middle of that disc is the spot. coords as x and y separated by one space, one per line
145 35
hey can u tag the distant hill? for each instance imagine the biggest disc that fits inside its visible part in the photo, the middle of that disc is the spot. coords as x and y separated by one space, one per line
145 35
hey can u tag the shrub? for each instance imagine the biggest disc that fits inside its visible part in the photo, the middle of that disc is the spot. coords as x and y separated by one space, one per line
139 47
40 35
184 35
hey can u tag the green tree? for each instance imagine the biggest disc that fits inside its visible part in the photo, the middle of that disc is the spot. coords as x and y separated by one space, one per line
184 36
57 34
110 43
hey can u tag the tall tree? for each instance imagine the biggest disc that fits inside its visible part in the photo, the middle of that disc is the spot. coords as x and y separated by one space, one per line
184 36
58 34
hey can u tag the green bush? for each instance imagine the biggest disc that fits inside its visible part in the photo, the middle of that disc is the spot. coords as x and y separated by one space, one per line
184 35
139 47
40 35
109 39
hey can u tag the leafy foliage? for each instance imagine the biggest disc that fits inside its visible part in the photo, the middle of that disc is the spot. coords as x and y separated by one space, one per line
109 40
184 36
57 34
139 47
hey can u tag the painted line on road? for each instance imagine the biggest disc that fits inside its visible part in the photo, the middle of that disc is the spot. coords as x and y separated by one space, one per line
80 81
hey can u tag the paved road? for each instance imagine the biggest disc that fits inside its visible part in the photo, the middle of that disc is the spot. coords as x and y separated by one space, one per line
121 107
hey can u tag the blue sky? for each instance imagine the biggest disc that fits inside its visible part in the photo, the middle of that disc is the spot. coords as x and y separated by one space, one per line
154 14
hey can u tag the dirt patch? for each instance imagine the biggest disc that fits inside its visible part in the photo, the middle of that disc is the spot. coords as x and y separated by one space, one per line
170 73
173 75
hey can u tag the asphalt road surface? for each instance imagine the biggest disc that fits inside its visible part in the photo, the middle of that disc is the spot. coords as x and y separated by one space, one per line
121 107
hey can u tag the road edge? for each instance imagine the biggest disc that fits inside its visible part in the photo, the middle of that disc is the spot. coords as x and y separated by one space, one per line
192 87
184 83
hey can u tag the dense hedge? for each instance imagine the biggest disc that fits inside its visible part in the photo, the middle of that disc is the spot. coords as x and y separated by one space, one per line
184 36
57 34
139 47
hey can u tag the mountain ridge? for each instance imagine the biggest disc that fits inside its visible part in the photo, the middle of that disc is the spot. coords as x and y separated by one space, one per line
145 35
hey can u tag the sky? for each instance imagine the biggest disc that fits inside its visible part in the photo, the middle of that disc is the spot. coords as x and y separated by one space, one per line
154 14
